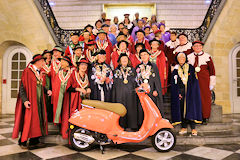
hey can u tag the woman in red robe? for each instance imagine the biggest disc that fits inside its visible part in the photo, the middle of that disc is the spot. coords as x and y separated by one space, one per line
135 58
59 88
30 112
122 48
78 88
158 57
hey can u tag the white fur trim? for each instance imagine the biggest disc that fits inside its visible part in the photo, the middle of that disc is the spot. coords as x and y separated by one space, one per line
172 44
183 48
202 60
212 81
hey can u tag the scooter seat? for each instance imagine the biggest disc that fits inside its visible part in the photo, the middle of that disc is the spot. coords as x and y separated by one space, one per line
117 108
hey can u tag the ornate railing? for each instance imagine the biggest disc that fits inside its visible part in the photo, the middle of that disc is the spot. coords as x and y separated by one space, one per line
62 36
200 32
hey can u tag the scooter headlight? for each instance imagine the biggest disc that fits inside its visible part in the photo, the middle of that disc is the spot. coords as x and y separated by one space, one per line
71 126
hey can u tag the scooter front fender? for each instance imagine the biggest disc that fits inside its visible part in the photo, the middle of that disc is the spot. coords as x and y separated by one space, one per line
162 123
97 120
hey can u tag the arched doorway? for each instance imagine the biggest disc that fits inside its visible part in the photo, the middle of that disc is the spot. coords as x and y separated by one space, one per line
15 60
235 78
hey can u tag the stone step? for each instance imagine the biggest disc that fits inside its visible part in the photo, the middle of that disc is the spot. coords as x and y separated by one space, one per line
189 140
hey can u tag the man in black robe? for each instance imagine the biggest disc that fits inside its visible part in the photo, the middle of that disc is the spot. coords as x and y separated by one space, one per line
148 74
100 77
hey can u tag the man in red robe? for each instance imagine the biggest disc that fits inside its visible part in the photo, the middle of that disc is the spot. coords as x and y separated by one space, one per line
204 67
104 44
74 41
184 45
88 28
30 112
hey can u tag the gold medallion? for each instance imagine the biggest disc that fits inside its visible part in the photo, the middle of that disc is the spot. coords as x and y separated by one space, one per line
197 69
125 81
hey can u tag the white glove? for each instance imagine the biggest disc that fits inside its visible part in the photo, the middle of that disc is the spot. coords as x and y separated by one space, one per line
211 87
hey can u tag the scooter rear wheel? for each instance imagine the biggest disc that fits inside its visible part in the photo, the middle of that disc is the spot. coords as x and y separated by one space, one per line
164 140
78 144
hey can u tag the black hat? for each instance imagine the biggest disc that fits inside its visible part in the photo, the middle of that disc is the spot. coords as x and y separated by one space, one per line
182 34
143 50
36 58
121 34
77 47
178 55
83 60
46 51
91 42
140 31
89 25
98 21
150 42
101 31
122 55
105 25
139 44
57 48
74 34
66 58
122 41
100 52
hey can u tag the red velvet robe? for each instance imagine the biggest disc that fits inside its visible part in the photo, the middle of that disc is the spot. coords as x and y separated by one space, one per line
75 101
187 49
56 86
161 63
168 50
145 42
107 46
92 37
27 120
135 60
206 78
115 56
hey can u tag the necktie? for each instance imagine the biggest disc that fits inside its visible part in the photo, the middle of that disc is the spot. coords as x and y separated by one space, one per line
196 60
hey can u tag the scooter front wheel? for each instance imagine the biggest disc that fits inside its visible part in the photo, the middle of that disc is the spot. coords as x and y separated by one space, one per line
78 144
164 140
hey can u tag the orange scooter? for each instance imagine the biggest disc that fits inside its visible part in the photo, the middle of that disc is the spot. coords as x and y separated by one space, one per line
98 123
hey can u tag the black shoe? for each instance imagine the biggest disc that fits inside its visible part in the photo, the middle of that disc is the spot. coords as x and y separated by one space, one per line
205 121
23 145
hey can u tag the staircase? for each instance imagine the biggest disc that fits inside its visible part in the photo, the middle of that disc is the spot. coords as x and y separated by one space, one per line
76 14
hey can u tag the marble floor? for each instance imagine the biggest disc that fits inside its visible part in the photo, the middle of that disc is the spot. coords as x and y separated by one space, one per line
9 150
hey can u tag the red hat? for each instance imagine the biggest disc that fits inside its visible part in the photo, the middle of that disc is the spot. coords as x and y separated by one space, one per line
36 58
126 14
107 20
197 42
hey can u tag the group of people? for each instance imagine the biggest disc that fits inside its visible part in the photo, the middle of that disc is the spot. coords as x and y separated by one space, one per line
107 62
